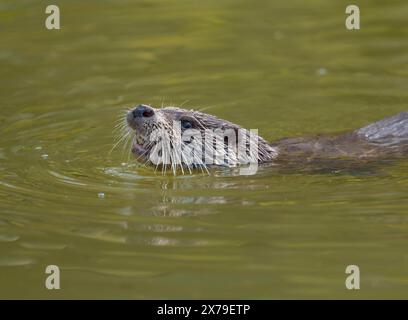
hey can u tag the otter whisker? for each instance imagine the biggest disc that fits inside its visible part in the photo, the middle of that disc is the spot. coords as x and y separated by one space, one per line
120 140
185 101
205 108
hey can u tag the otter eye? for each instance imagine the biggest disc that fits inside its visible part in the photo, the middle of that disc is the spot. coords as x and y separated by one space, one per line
185 124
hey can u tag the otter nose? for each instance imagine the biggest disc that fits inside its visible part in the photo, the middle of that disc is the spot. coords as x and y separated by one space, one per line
143 111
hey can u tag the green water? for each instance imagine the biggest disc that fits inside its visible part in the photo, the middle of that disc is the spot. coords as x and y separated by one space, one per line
284 67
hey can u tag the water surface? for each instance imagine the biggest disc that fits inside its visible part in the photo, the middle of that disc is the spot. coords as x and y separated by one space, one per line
118 230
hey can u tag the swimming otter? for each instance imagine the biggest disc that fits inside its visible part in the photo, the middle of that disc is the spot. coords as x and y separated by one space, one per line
380 140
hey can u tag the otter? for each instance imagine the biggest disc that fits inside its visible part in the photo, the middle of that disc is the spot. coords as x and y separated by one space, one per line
387 138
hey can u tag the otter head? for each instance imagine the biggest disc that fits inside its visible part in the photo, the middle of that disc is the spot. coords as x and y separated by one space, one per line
178 137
